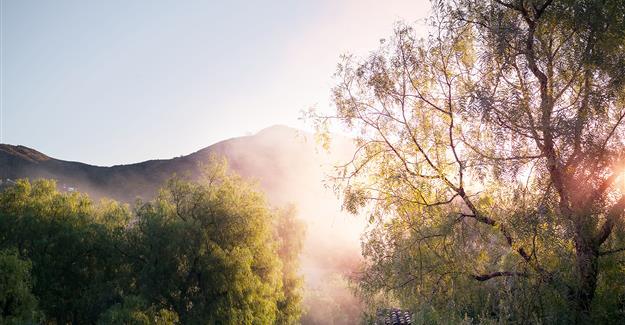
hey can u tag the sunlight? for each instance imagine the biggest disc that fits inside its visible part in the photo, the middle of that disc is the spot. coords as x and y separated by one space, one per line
312 162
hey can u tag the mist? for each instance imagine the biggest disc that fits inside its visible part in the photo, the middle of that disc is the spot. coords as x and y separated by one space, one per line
292 169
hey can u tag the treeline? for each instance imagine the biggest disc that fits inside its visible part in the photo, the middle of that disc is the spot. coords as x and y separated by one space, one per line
209 252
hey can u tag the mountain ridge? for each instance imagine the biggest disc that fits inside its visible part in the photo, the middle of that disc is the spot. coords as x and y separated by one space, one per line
126 182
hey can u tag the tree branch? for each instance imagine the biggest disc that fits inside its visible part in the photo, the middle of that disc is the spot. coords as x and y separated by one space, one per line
612 251
486 277
615 212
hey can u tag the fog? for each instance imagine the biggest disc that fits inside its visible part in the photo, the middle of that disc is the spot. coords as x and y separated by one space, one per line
292 169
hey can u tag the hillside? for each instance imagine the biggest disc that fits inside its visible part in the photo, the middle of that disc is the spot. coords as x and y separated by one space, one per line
266 156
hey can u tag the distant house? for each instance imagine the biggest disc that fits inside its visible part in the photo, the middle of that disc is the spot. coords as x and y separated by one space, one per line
67 188
7 182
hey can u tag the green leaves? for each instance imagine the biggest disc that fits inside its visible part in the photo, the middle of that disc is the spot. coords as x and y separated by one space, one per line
135 311
17 303
215 252
201 252
70 242
485 153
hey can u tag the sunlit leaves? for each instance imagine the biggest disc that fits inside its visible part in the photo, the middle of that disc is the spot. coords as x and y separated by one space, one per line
212 243
71 244
481 152
201 252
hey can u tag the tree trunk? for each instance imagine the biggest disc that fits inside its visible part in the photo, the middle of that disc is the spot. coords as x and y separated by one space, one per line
587 258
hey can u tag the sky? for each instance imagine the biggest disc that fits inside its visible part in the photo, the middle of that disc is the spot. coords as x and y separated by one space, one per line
116 82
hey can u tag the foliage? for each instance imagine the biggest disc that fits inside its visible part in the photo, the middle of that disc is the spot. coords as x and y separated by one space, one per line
209 252
490 159
201 252
71 242
290 233
17 303
134 311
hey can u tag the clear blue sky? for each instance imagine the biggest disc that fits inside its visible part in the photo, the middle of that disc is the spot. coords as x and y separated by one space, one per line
111 82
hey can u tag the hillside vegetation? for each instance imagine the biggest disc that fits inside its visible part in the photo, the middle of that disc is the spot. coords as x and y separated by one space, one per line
210 251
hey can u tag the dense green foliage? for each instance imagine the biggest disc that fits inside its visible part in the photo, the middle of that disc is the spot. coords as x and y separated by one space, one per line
134 310
76 269
490 158
17 304
208 252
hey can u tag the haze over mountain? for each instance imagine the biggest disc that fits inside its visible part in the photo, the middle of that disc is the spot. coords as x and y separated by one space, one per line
263 156
289 167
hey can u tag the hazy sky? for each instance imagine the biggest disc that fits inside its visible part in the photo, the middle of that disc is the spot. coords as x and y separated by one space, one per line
111 82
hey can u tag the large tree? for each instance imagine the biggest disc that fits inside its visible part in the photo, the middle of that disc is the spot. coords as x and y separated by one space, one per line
214 252
490 155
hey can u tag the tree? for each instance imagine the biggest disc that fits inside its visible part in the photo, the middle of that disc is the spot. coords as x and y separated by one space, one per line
201 252
289 232
71 242
207 251
490 156
134 311
17 303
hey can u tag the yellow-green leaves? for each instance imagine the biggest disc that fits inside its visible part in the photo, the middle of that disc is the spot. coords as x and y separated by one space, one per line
201 252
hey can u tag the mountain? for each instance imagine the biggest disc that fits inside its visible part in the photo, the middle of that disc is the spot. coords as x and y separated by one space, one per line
268 156
289 167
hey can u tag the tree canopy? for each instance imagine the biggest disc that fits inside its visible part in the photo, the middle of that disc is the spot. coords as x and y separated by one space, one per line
490 160
211 251
17 303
